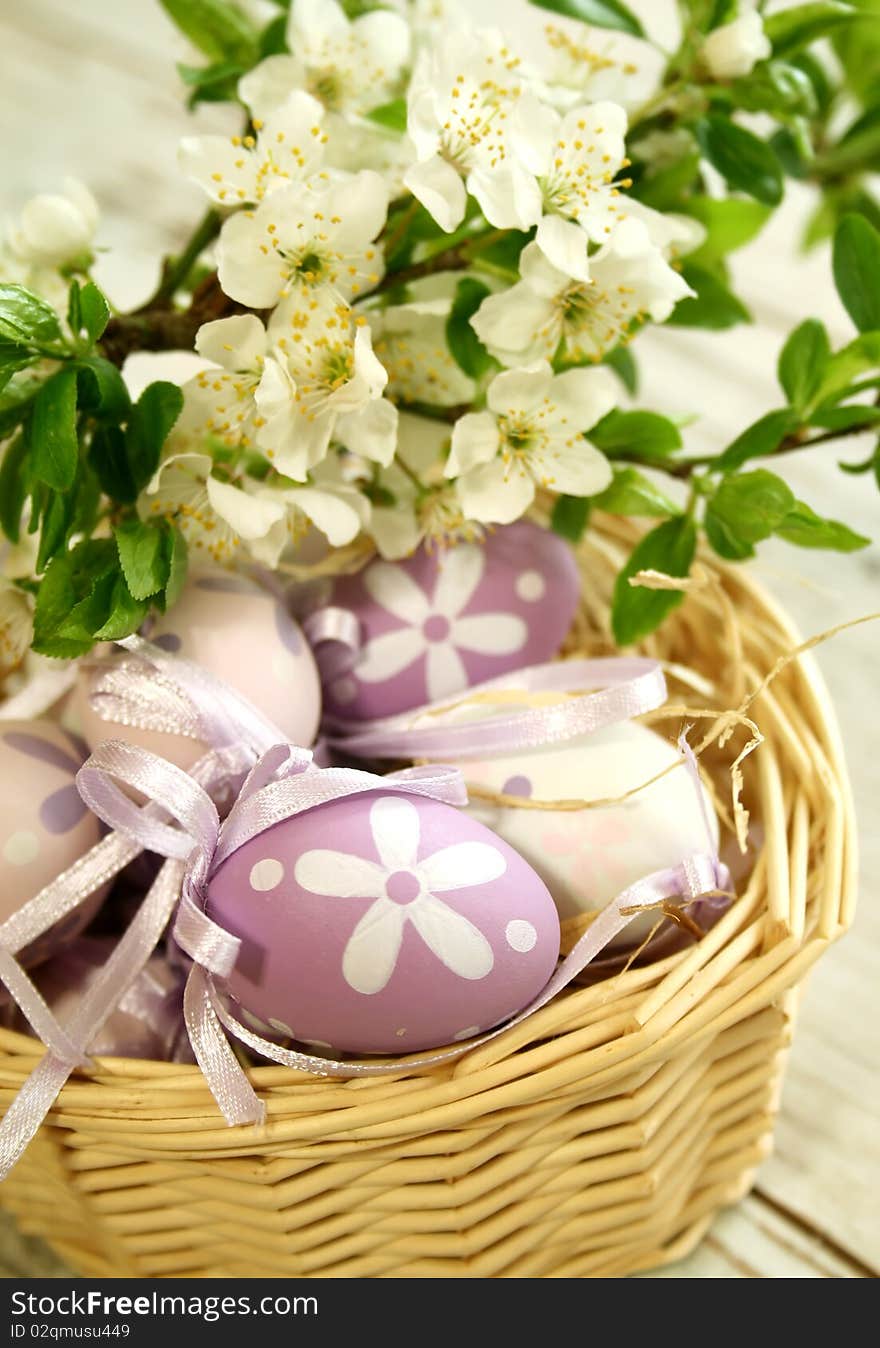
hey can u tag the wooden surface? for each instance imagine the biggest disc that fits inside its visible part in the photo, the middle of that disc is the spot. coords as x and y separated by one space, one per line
91 90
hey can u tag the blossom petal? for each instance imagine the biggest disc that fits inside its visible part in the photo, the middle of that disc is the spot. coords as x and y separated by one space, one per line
574 467
388 655
371 953
462 865
459 573
440 190
444 673
490 633
534 129
249 516
339 875
395 531
564 243
246 273
539 273
316 23
396 591
360 202
515 392
583 397
371 431
475 440
265 88
226 172
518 325
337 516
394 822
236 343
493 494
509 195
456 942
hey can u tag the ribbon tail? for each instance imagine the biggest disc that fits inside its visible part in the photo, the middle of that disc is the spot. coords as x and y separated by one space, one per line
32 1104
238 1101
32 1005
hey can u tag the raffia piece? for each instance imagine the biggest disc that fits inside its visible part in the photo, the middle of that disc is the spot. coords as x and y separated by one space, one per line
596 1139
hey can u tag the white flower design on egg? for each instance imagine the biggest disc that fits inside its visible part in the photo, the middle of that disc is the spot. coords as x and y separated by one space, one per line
434 627
404 889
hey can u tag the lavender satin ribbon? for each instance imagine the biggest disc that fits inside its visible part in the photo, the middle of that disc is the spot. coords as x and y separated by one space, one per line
620 687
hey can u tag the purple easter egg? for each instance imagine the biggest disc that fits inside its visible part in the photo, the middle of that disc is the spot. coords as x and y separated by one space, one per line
44 825
383 923
446 619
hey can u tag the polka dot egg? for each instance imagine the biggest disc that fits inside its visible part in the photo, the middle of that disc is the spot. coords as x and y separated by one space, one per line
446 619
240 632
383 923
44 825
586 857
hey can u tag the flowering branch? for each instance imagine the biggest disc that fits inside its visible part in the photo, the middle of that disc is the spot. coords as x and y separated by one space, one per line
423 269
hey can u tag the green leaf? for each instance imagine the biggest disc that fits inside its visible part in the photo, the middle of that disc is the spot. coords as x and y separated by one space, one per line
664 188
212 84
54 527
802 363
220 30
151 419
858 46
858 357
391 115
646 435
143 556
125 613
731 222
102 390
15 402
637 611
51 434
746 508
273 39
109 461
745 162
177 564
10 366
761 438
624 366
13 487
70 579
599 13
793 28
856 263
24 317
569 517
806 529
714 306
94 310
467 349
631 493
792 147
776 87
846 418
74 311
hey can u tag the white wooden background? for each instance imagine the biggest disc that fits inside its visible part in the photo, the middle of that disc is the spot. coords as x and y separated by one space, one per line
90 89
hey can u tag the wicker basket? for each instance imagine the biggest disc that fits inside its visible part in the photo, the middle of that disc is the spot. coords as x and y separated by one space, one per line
596 1139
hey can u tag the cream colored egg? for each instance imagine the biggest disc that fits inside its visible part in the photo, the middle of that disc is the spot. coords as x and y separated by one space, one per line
586 857
44 825
243 634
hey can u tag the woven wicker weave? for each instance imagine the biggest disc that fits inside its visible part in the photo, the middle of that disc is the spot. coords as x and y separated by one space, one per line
598 1138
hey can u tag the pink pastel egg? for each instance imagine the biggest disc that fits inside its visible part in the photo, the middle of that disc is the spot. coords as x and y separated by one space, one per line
240 632
586 857
446 619
383 923
44 825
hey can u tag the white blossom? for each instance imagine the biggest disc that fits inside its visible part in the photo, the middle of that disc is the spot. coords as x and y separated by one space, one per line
733 50
288 147
351 66
586 65
576 160
459 114
333 381
531 435
220 519
412 498
629 282
410 341
301 238
56 229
